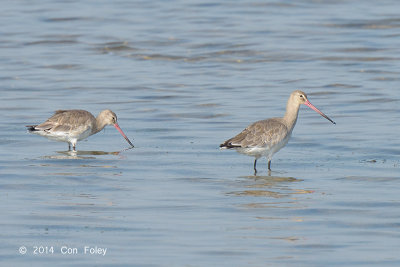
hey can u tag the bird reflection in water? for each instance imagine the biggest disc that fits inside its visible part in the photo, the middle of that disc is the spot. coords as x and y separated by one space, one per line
71 154
269 186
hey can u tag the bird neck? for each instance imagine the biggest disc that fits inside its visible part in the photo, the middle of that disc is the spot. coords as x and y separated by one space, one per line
292 111
99 124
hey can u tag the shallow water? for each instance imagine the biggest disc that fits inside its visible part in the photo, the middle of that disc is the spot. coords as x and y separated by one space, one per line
182 78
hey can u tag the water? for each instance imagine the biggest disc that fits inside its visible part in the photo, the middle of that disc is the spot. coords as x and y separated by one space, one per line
183 76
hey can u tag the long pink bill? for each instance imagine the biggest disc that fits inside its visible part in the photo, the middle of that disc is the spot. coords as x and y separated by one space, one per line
122 133
317 110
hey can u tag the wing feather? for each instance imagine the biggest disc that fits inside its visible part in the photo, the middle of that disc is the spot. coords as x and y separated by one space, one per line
66 121
261 133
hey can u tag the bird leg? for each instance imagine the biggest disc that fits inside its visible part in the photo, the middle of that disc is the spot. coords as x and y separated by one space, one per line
255 167
73 147
269 165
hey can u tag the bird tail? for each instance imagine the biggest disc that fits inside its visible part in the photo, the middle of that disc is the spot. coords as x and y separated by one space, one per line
31 128
227 145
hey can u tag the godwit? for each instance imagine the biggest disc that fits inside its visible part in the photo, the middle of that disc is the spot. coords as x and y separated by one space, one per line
74 125
266 137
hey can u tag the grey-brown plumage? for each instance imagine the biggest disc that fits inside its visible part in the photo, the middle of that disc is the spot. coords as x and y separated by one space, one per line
265 132
74 125
266 137
66 121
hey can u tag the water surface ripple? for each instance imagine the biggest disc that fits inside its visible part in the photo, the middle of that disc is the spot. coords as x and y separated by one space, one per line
183 76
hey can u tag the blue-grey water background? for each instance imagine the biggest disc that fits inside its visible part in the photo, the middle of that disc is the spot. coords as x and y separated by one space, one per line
183 76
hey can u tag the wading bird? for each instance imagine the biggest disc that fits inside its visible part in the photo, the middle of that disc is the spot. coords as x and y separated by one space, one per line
74 125
266 137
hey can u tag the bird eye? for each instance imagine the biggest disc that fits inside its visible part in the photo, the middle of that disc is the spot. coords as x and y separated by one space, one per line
301 96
